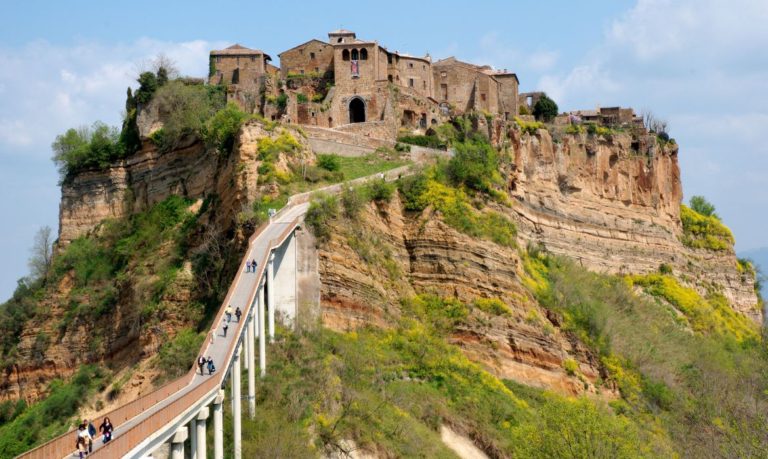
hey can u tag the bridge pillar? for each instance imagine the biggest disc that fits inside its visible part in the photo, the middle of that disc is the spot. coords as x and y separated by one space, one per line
251 369
177 443
218 426
200 420
236 400
286 291
271 295
192 429
262 335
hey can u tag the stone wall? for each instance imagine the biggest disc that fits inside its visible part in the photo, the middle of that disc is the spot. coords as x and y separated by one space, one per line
313 56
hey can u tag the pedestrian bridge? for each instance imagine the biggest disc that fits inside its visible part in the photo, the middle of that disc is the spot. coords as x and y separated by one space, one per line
179 411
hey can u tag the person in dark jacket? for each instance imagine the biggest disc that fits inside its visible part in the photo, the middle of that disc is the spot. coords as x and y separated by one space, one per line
211 366
238 313
106 430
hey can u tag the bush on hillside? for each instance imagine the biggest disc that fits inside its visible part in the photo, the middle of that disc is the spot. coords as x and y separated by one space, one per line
222 128
475 165
704 232
322 210
85 148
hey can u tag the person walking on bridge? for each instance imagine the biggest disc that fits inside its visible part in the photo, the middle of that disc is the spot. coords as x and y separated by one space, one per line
248 266
201 363
86 439
225 327
106 430
253 265
211 366
228 312
238 313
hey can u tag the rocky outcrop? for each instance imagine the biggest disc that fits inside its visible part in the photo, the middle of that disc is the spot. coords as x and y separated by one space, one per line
612 203
50 345
367 269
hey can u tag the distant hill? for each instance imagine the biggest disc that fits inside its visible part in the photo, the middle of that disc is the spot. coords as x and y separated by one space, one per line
760 257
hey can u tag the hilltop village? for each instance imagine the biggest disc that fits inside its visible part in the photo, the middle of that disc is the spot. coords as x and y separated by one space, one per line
359 86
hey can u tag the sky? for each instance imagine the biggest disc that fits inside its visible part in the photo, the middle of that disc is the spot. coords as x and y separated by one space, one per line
702 65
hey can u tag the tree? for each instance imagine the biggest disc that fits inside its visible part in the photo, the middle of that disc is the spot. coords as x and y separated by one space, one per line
166 67
654 124
147 87
545 109
86 147
41 253
700 205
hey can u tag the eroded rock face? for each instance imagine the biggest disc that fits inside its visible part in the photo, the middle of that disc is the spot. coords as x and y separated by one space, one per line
420 254
129 186
614 206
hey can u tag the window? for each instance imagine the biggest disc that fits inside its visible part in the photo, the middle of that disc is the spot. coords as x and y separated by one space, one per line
424 83
339 40
253 58
389 77
423 67
312 56
218 59
482 97
355 54
389 58
363 54
410 82
345 55
410 65
302 72
443 74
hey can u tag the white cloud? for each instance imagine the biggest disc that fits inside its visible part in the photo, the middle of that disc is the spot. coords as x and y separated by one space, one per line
542 60
47 89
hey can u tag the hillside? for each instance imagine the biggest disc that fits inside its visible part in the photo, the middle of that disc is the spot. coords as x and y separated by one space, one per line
542 280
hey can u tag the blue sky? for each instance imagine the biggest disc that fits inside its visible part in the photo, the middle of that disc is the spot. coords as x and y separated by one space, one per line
700 64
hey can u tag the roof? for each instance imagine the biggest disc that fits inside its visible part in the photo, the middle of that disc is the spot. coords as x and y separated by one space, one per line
341 32
238 50
484 69
305 43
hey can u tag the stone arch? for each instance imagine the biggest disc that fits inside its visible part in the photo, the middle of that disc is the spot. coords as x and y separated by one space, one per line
363 54
355 54
345 55
356 110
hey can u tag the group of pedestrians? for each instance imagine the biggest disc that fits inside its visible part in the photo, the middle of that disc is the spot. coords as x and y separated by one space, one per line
202 363
225 321
87 432
250 265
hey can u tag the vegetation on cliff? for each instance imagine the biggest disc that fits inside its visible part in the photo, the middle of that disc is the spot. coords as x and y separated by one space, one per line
702 228
685 365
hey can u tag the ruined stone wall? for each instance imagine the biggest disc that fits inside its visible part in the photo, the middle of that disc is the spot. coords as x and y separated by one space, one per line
300 60
508 90
246 68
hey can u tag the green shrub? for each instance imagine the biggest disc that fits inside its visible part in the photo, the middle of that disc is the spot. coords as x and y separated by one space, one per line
475 164
429 141
282 101
545 109
147 87
301 98
704 232
664 268
493 306
329 162
352 201
528 127
176 356
222 128
380 190
700 205
412 188
318 97
574 129
188 108
322 210
86 148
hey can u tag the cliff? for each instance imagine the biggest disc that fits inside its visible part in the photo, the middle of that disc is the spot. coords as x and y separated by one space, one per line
613 204
121 318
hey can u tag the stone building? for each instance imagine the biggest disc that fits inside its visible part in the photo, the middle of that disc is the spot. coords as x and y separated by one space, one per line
465 87
358 85
607 116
